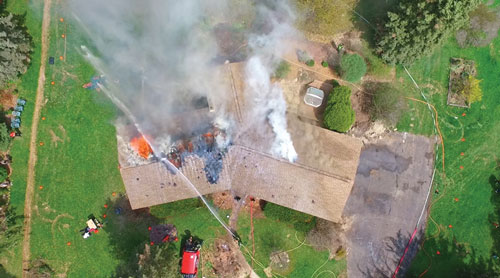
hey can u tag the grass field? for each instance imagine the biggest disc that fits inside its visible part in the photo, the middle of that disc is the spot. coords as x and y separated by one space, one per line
12 259
466 198
472 216
77 171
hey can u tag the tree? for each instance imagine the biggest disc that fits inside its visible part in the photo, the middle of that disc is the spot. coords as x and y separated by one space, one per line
3 174
40 269
158 261
339 115
282 70
472 90
416 27
352 67
4 137
15 47
326 17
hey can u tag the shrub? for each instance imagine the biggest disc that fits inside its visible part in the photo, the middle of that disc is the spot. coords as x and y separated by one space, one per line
3 174
324 64
352 67
339 115
4 137
472 90
387 103
16 45
301 222
310 63
282 70
326 17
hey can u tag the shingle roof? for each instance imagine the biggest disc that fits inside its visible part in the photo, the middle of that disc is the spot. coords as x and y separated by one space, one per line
318 183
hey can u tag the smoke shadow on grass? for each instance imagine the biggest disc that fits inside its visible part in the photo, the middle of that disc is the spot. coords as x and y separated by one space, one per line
128 232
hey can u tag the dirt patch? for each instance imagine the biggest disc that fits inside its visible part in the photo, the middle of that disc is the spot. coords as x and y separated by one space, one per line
280 261
223 200
361 105
7 98
54 138
226 260
256 207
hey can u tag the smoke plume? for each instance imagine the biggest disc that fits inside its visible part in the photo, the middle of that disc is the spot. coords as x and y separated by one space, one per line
158 59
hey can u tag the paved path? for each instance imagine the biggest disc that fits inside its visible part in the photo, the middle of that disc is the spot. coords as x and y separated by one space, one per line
30 184
391 185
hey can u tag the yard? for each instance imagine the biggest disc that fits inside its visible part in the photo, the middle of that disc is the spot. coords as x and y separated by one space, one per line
466 199
77 173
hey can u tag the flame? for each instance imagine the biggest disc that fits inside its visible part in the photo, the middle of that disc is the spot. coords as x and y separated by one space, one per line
141 146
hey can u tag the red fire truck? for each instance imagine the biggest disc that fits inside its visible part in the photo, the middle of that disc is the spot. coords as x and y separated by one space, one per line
190 259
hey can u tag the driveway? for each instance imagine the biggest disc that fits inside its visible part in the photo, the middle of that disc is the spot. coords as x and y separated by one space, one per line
389 191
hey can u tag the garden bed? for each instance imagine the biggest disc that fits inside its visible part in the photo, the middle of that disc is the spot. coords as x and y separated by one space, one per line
460 70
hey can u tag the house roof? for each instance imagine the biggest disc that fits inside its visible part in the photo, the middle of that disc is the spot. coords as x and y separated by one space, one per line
318 183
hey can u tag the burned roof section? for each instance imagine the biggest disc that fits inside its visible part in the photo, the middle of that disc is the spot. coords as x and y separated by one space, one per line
318 183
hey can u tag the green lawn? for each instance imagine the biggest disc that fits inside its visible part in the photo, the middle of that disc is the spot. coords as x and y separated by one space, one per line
271 236
472 215
20 147
79 170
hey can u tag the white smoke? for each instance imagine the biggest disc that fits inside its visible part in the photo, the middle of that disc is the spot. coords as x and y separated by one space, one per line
267 47
159 58
269 103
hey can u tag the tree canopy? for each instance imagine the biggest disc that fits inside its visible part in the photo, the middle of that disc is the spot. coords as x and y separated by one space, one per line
416 27
339 115
15 47
4 137
326 17
352 67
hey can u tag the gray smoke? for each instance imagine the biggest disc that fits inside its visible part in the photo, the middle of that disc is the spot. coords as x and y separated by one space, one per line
158 58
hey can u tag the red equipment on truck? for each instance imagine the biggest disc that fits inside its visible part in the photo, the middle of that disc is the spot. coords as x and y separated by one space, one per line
190 259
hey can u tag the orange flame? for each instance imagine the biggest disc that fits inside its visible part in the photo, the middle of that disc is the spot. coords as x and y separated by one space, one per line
141 146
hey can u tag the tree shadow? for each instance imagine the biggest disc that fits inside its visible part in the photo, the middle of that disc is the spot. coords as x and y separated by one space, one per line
4 273
10 228
375 12
463 259
494 218
128 232
394 249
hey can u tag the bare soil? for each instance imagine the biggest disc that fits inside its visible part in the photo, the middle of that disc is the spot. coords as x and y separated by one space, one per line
223 200
226 260
7 99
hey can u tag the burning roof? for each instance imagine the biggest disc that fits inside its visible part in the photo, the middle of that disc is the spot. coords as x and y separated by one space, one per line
141 146
318 183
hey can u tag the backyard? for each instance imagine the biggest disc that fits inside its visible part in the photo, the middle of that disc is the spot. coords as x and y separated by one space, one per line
467 198
77 173
77 170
